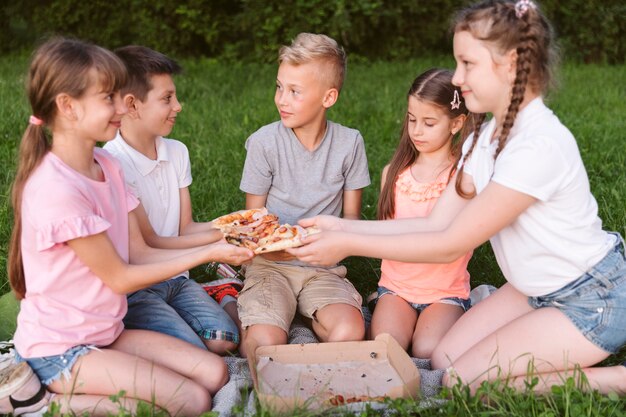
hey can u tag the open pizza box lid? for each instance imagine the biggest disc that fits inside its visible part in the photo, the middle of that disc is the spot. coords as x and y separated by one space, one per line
312 376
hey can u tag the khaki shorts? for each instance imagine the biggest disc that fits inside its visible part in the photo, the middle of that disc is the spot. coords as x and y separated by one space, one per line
273 292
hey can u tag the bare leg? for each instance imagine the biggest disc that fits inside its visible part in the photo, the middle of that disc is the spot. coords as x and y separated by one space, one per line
543 339
144 365
432 325
500 308
231 310
220 347
339 323
604 379
261 335
204 368
395 316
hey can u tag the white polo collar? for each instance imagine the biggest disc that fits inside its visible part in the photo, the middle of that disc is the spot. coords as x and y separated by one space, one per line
142 163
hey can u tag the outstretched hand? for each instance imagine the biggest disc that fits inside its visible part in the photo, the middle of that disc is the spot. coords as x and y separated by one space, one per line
324 248
229 254
323 222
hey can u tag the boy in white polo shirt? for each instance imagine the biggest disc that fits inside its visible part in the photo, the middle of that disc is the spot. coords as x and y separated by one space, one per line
158 172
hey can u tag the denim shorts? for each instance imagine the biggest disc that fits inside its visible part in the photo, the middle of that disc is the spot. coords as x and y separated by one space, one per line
180 307
596 301
52 368
419 307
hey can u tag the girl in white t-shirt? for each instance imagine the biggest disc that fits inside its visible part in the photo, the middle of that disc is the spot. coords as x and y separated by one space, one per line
76 250
522 185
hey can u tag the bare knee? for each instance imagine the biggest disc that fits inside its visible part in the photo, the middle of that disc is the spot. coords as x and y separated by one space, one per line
192 400
220 347
345 331
423 348
439 359
219 371
261 335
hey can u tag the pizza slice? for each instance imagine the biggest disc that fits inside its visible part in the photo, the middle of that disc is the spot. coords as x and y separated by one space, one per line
260 231
241 219
284 237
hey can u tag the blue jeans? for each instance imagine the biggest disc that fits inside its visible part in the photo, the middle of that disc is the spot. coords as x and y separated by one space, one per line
596 301
464 303
180 307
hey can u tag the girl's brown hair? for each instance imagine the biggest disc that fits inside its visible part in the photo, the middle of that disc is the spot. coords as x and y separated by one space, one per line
528 32
58 66
435 87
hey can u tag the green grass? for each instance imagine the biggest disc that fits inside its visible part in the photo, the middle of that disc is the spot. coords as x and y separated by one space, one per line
224 104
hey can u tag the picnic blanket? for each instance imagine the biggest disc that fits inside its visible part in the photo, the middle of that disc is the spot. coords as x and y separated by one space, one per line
237 397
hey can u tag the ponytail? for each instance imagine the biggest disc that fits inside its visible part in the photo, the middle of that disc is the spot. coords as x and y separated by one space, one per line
33 148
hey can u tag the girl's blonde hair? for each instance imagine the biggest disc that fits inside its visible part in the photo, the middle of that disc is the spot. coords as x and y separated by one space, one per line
506 25
309 47
434 87
59 65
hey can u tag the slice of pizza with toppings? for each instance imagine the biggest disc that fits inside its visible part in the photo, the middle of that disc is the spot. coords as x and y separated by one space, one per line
284 237
260 231
243 220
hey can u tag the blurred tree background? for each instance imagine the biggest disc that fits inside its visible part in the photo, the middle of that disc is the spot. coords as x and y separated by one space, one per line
252 30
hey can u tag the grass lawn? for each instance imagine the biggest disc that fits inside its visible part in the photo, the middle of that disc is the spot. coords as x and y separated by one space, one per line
224 104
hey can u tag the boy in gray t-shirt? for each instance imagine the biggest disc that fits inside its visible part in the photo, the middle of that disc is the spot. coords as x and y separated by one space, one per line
299 167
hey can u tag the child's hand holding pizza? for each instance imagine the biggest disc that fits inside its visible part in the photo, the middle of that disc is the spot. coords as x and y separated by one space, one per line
323 222
325 248
228 254
261 232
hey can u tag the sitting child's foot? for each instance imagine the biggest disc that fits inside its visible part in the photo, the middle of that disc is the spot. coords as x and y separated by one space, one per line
220 288
21 392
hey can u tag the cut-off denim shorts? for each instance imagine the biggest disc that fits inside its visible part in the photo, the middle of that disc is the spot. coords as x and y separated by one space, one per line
596 301
420 307
52 368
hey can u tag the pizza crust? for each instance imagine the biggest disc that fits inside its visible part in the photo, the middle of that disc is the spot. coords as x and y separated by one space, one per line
287 242
260 231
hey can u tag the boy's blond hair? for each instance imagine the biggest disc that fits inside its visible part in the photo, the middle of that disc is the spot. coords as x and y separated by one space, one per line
308 47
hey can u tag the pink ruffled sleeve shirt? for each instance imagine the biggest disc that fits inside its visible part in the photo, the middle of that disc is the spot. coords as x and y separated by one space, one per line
418 282
66 304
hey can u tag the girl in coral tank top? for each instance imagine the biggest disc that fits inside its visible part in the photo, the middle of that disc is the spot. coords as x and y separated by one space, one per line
418 302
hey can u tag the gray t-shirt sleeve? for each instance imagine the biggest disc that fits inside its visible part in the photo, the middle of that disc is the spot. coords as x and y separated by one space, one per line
357 173
257 171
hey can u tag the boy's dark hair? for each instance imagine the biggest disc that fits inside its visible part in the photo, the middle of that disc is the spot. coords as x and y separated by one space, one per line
142 63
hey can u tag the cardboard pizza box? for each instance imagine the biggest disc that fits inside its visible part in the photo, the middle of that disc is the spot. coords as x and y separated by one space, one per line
316 376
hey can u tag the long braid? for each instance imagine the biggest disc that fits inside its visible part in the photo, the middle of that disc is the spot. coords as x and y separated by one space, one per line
479 119
510 25
523 68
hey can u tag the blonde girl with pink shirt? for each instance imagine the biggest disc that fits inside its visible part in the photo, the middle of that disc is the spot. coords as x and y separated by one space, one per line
418 302
76 250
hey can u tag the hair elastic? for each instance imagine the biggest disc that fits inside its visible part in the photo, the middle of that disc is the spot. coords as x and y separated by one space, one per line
34 120
456 101
522 6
